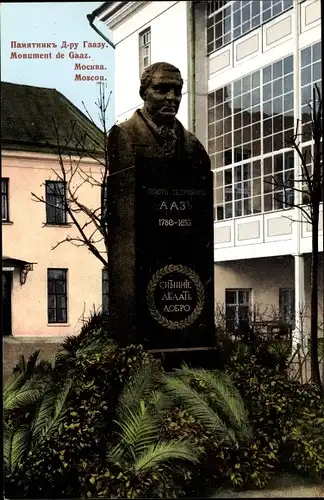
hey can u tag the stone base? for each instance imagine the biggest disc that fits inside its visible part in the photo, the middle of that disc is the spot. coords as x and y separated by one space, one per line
206 358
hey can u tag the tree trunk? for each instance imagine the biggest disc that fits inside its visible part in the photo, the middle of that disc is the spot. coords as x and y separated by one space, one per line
316 378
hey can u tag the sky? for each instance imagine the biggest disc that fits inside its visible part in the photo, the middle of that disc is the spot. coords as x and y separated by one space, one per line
57 67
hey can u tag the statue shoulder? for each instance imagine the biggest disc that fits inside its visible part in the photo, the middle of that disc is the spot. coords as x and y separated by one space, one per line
127 125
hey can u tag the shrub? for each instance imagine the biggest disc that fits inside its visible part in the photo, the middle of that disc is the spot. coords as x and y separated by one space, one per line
98 431
280 410
77 444
97 325
241 462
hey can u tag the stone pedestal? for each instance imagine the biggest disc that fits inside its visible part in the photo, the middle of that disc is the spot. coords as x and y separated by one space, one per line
161 264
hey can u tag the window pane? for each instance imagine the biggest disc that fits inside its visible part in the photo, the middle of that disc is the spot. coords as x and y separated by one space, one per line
4 200
57 274
57 295
243 297
55 202
51 316
61 316
230 297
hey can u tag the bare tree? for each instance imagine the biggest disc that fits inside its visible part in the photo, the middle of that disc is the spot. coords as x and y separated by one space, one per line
76 150
308 195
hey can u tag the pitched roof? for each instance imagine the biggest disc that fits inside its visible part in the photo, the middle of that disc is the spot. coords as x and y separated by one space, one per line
27 115
107 9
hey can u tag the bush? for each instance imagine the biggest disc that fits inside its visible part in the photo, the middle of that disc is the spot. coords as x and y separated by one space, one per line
244 463
108 421
97 326
94 425
280 410
78 443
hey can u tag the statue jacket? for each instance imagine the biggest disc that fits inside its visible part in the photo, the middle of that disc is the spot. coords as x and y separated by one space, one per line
134 140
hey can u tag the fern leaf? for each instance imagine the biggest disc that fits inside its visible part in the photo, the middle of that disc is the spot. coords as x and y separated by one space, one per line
138 387
44 412
51 412
227 398
164 452
13 383
32 361
16 443
139 431
158 403
181 392
29 393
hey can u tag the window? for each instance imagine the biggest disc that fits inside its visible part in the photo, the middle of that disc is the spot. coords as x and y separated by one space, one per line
278 181
105 290
287 305
238 306
311 71
55 202
57 295
144 49
5 200
227 21
249 118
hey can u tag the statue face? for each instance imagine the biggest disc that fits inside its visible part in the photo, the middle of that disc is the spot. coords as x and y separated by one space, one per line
163 96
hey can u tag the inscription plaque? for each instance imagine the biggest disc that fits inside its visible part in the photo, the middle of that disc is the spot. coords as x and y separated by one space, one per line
175 296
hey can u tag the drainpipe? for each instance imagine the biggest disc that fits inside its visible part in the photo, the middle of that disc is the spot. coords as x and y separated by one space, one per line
91 18
191 67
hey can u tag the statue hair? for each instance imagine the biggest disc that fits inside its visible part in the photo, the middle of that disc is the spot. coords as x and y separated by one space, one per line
149 71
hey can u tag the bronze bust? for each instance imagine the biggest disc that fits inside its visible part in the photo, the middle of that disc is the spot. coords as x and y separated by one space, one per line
154 132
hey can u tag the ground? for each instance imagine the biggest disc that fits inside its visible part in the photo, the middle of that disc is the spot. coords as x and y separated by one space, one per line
285 486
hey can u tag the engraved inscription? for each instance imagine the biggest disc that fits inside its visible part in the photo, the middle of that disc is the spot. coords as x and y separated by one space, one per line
174 207
175 296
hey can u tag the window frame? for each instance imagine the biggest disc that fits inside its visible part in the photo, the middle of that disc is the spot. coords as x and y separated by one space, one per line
55 294
52 210
230 150
216 16
237 305
291 292
5 194
142 46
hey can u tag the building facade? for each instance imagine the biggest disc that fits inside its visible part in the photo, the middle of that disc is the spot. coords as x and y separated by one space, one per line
249 69
46 291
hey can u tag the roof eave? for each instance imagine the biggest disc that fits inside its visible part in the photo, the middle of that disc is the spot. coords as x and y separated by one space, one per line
106 10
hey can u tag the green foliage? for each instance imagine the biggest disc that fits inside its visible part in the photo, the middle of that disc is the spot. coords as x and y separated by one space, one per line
136 451
240 459
210 398
96 426
281 411
308 445
63 437
105 421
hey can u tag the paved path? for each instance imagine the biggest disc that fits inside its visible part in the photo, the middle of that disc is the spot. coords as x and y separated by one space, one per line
285 486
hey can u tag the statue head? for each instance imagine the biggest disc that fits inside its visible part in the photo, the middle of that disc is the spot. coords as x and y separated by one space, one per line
161 86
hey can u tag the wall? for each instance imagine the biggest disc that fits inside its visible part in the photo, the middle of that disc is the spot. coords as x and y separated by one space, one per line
168 23
26 238
265 276
14 347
